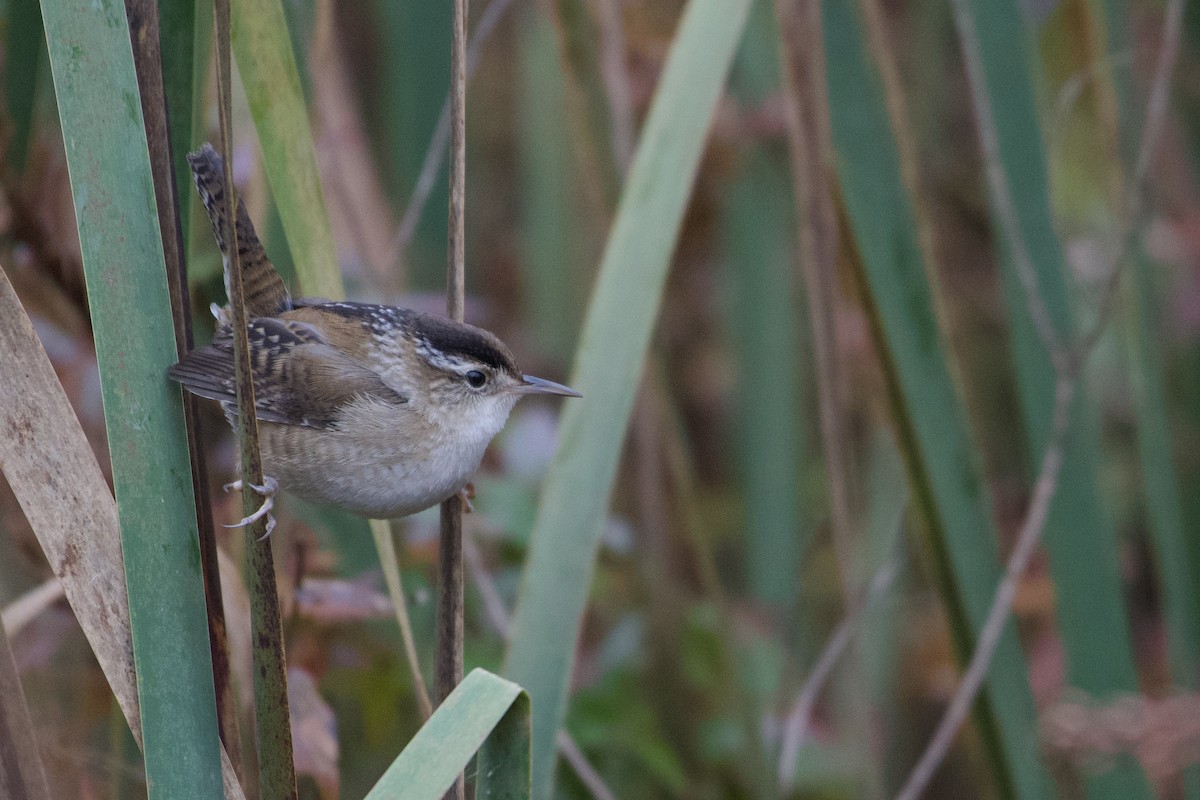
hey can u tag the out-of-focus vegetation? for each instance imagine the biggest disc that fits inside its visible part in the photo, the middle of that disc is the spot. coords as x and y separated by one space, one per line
891 235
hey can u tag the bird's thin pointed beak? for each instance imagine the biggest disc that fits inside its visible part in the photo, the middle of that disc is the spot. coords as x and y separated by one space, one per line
534 385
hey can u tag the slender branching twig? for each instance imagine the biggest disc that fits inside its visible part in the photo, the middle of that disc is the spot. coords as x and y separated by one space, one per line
997 179
993 627
796 725
1068 362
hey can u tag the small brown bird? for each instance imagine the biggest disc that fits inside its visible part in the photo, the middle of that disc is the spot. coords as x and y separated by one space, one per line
379 410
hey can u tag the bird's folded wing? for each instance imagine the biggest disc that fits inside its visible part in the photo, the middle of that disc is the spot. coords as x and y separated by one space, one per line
299 379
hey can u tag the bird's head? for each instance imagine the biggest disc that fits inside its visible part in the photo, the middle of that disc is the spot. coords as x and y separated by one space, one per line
472 378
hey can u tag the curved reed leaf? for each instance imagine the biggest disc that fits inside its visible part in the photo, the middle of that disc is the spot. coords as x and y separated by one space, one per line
608 367
483 711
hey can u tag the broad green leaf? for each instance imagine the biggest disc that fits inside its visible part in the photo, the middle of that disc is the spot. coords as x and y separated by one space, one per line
608 366
108 161
766 330
484 710
24 47
186 39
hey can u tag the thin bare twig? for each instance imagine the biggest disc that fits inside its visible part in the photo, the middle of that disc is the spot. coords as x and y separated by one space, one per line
1068 364
989 636
436 151
796 726
1071 93
448 662
1156 114
587 774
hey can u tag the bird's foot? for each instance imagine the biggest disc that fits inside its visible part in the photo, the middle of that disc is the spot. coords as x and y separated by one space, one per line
467 494
267 492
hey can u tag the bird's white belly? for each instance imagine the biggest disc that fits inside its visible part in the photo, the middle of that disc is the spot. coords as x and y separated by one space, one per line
381 478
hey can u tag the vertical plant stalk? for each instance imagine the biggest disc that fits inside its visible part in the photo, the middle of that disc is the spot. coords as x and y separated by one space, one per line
449 660
147 57
809 146
22 775
276 772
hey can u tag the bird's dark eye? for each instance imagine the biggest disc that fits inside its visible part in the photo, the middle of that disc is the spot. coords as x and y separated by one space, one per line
476 378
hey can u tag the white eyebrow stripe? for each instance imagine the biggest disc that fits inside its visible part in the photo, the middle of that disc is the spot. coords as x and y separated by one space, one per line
439 360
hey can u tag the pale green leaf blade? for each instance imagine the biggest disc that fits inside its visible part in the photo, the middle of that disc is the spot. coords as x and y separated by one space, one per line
432 761
267 65
608 366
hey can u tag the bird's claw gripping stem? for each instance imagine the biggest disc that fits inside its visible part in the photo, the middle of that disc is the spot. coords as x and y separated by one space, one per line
267 492
467 494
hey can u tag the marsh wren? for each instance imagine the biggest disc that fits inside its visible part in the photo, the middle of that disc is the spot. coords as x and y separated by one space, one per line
380 410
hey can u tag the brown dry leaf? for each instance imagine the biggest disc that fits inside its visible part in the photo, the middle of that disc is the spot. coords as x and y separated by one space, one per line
337 601
47 461
1163 733
314 733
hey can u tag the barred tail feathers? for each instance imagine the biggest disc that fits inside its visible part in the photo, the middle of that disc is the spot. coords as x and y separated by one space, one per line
263 288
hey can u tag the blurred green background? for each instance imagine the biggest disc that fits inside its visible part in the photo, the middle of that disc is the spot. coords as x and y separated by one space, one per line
858 267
